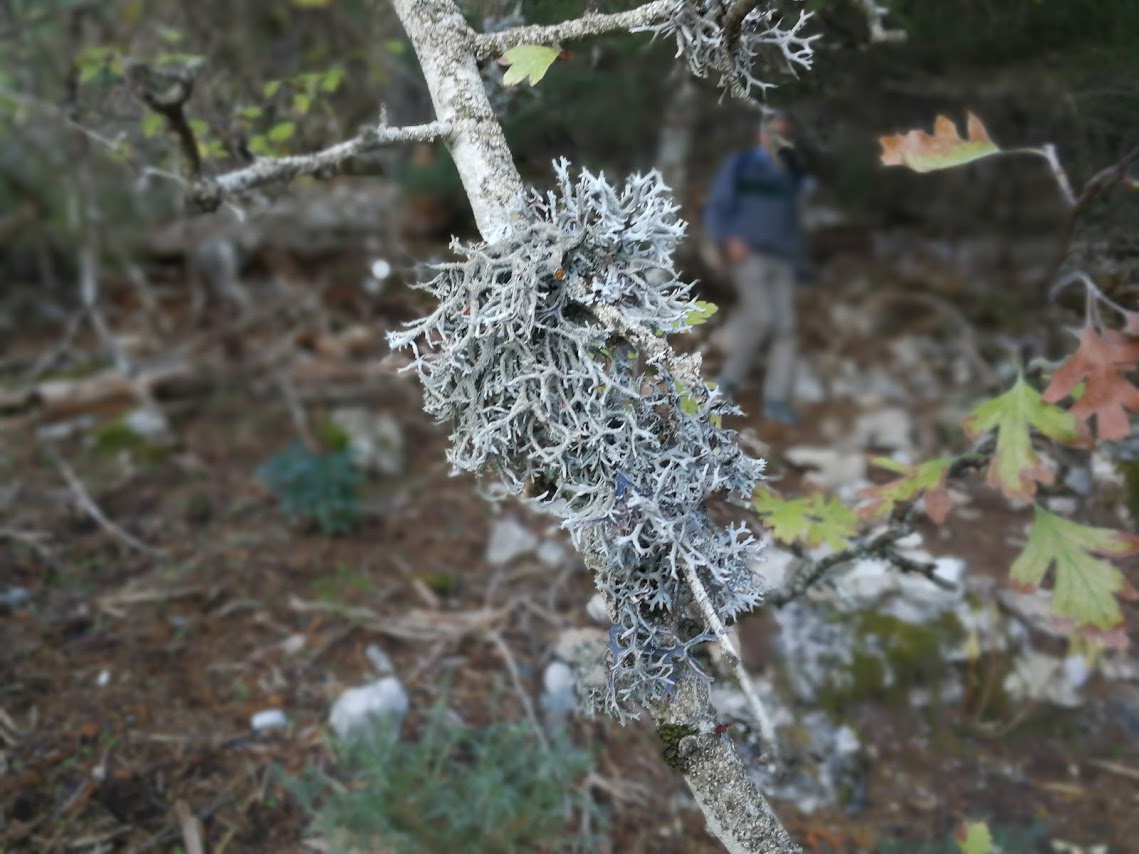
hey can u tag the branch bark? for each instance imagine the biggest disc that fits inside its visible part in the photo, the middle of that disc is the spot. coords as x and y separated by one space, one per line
735 809
207 193
589 24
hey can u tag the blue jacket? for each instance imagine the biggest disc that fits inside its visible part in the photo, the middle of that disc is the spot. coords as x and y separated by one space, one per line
757 199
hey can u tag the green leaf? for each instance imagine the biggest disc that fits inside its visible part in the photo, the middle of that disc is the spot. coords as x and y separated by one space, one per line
271 88
1085 585
259 145
151 124
302 102
701 313
527 61
1016 468
928 477
332 78
815 520
973 837
249 112
199 127
282 132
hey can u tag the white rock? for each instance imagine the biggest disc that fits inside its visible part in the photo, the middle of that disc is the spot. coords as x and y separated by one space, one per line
551 554
381 662
1046 678
774 566
509 540
1062 505
597 610
148 423
559 696
364 706
1104 471
268 719
375 439
104 678
1033 609
808 387
891 429
867 581
832 466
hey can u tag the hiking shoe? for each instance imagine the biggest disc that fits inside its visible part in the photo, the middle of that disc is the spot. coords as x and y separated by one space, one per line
777 410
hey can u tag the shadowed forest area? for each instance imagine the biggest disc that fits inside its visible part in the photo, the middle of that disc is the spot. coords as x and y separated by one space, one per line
247 606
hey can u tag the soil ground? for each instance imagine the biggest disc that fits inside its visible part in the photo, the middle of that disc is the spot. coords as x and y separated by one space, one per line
128 680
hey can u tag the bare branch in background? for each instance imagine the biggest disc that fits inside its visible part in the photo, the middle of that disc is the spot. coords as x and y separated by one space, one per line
207 194
589 24
166 92
878 31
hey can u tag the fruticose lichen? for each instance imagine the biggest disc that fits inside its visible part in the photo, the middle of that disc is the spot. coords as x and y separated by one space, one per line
587 419
698 27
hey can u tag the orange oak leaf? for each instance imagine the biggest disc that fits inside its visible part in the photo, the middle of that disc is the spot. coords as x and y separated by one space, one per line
943 150
1100 362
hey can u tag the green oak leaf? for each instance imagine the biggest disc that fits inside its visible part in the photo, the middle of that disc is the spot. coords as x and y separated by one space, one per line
701 312
527 60
1016 469
814 520
1085 585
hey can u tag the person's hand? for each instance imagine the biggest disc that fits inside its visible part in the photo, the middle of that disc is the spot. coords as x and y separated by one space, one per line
736 250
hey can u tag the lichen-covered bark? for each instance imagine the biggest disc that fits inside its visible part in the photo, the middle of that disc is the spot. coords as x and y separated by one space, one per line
445 47
736 810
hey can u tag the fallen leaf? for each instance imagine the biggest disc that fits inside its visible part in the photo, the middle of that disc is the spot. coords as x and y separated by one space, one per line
943 150
1016 468
1100 362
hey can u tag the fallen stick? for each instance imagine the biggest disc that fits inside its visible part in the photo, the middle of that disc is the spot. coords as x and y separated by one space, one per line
88 505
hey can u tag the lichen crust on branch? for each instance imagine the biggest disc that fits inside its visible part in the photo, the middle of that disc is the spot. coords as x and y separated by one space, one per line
548 356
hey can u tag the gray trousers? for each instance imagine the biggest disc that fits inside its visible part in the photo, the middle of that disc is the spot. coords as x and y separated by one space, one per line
764 320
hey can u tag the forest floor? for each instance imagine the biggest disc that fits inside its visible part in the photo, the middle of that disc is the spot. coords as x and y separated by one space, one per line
130 672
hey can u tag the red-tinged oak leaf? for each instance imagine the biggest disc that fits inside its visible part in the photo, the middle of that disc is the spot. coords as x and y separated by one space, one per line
1099 363
1085 586
1016 468
943 150
928 477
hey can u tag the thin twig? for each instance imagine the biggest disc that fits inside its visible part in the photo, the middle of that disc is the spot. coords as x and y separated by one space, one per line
88 505
732 657
589 24
515 677
208 193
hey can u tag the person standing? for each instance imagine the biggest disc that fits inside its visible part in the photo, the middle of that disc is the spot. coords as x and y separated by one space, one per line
752 214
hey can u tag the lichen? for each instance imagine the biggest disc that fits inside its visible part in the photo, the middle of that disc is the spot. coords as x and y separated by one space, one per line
575 417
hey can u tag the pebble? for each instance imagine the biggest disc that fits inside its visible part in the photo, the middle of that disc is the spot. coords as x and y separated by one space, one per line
362 707
268 719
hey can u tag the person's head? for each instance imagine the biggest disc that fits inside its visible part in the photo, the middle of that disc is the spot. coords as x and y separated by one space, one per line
772 128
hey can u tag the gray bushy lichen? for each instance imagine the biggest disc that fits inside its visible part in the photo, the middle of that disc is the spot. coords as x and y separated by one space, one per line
547 356
698 26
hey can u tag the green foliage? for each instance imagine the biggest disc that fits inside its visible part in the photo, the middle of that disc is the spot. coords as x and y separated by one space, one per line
527 61
314 487
1086 586
1017 468
492 790
814 520
1027 839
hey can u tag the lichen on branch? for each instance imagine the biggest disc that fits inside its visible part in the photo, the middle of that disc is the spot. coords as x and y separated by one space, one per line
588 419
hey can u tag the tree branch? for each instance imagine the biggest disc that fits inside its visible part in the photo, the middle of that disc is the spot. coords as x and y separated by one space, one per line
589 24
207 193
